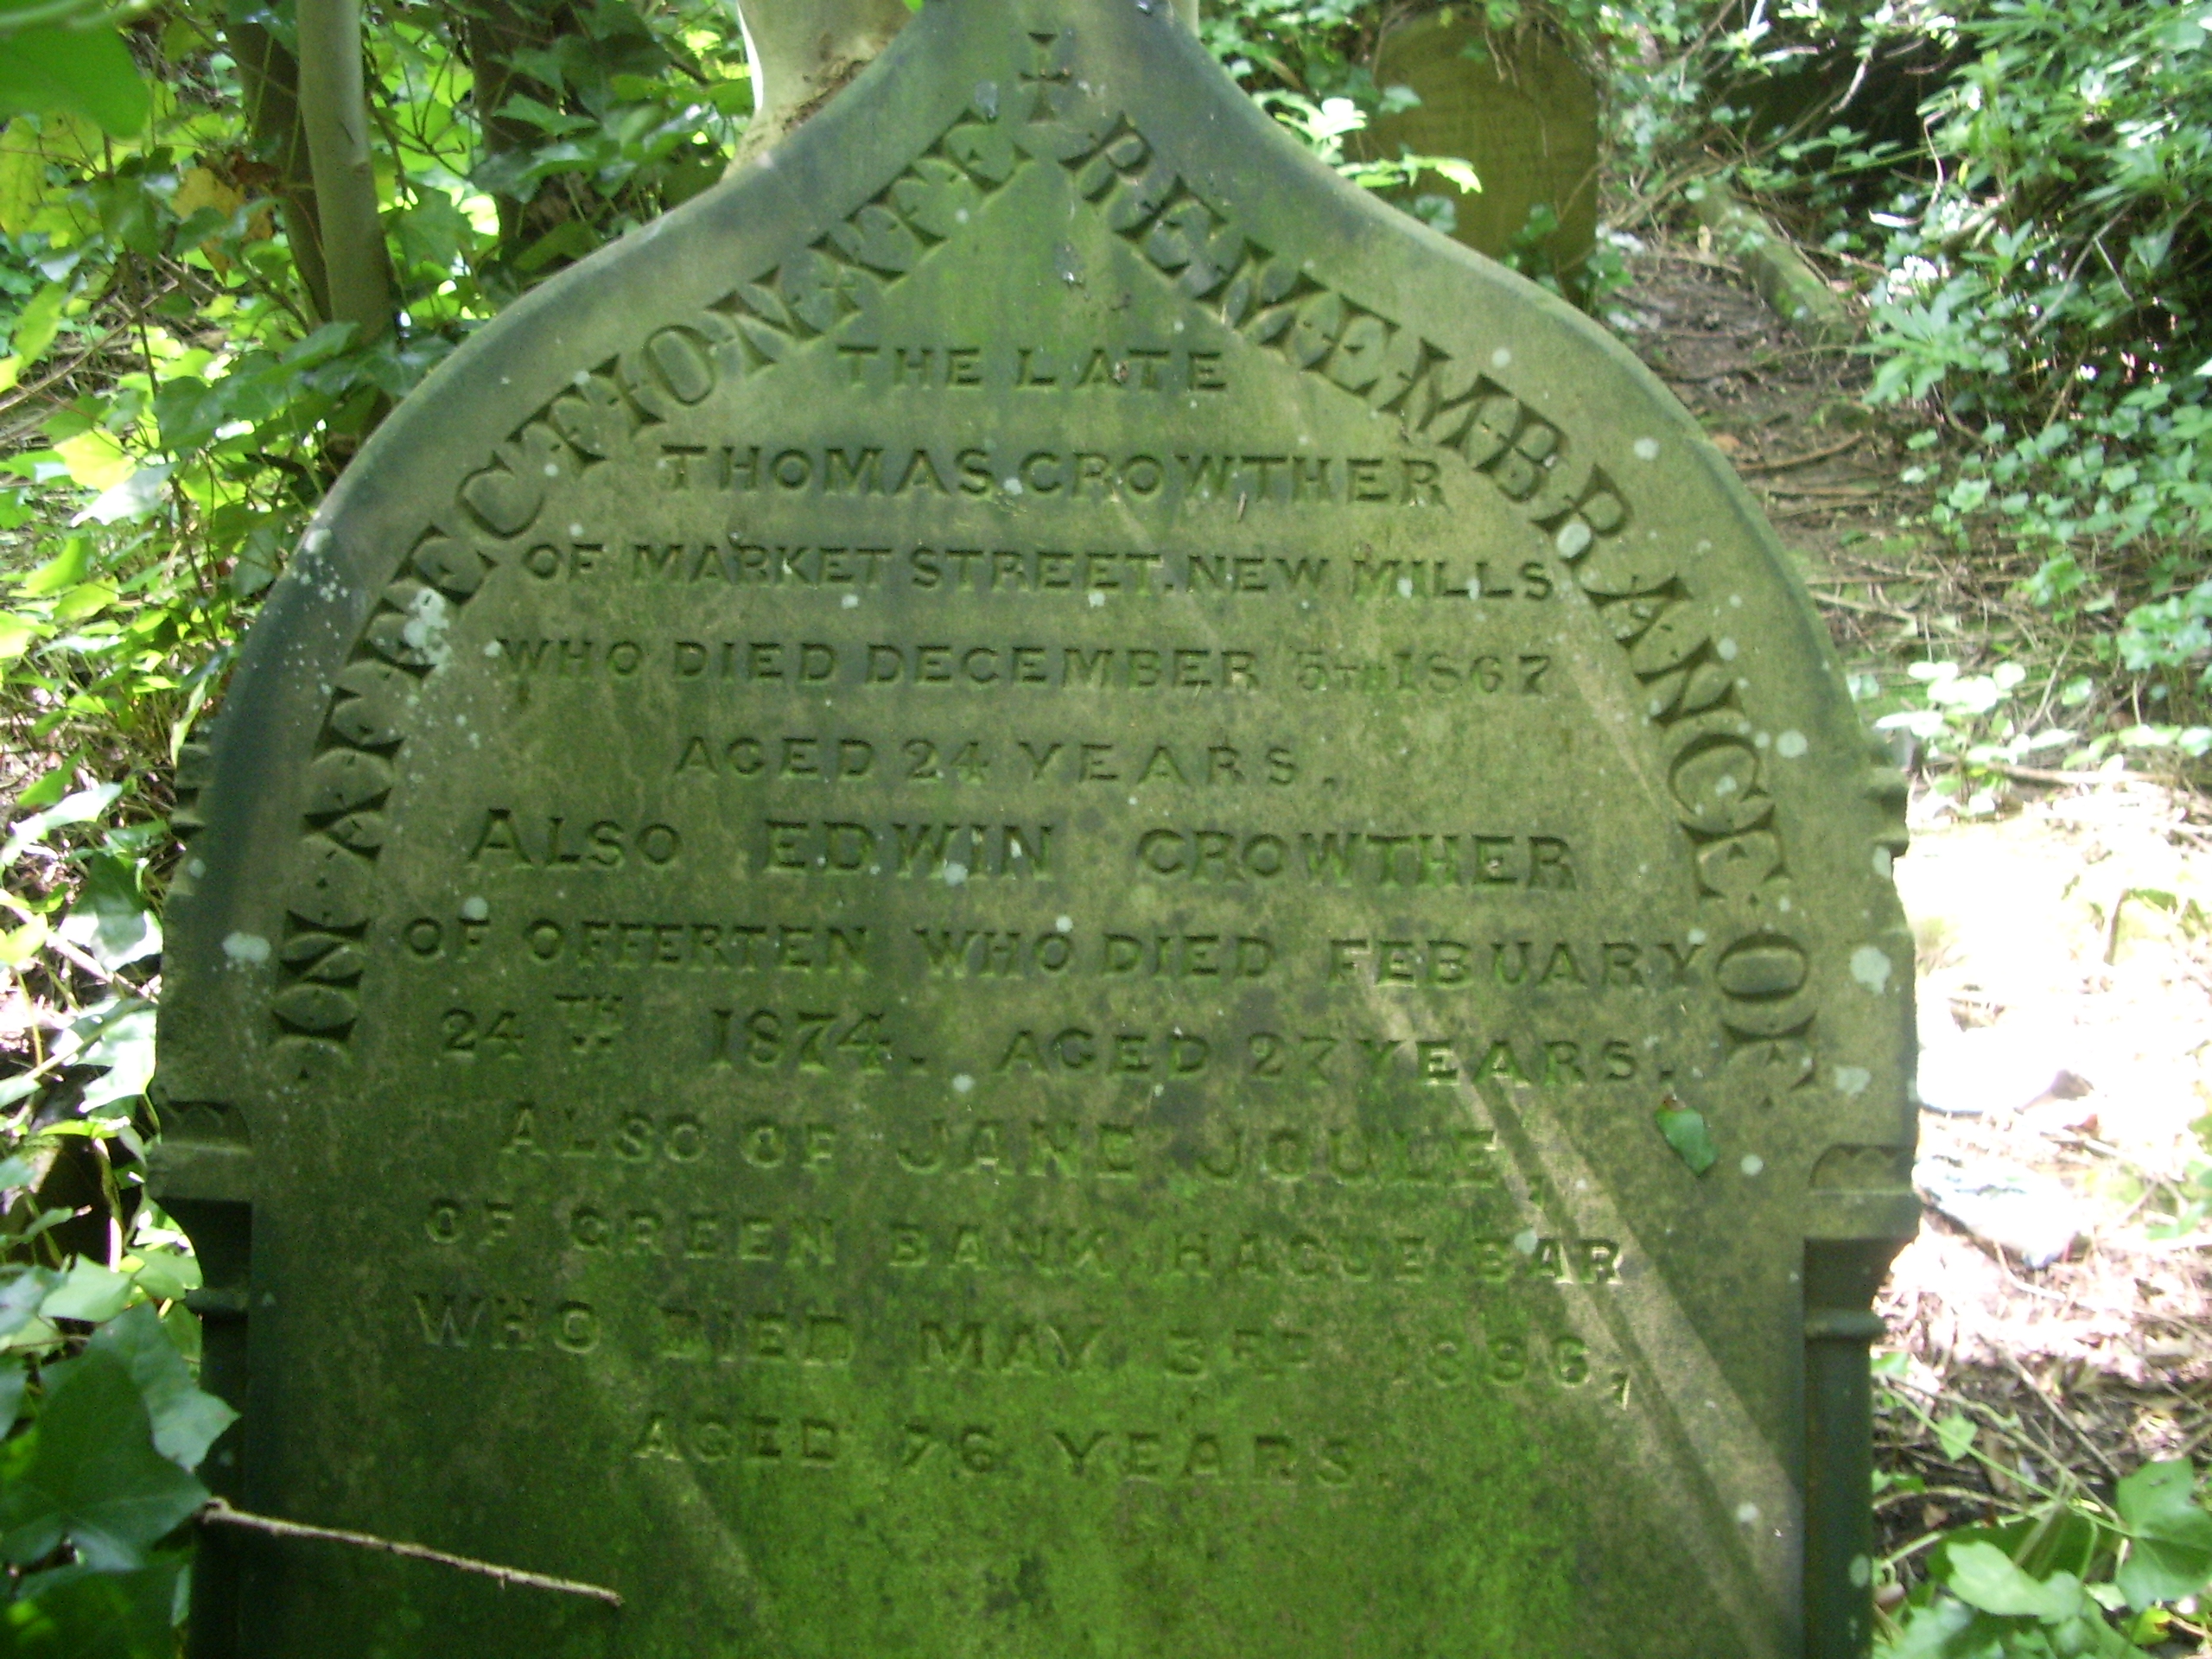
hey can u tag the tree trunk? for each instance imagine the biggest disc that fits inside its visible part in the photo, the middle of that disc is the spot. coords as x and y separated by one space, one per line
802 51
335 114
270 76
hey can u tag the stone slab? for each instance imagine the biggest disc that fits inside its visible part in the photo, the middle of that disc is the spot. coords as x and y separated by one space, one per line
952 910
1519 106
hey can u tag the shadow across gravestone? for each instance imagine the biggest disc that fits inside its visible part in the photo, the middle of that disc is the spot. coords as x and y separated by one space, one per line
1032 889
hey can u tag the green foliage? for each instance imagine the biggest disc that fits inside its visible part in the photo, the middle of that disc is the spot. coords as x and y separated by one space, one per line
65 55
1325 125
75 1612
86 1474
2045 294
2035 260
1305 62
172 406
1973 725
2170 1538
105 1424
2071 1576
179 410
1688 1133
2186 1204
2063 1574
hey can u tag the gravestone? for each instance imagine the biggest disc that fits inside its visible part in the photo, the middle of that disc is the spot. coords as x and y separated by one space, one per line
1030 890
1520 107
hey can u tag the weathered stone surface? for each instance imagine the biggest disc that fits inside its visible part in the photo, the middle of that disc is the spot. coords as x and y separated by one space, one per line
951 912
1518 105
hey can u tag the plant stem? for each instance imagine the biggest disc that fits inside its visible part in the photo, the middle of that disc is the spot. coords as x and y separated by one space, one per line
334 114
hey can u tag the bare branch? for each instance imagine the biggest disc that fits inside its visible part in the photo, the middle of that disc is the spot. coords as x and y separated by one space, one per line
219 1513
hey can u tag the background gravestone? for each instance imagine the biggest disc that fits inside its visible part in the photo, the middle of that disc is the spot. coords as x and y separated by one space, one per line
1519 106
952 910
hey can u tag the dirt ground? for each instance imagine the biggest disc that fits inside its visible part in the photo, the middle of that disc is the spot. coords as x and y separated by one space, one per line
1786 414
2058 1319
1825 465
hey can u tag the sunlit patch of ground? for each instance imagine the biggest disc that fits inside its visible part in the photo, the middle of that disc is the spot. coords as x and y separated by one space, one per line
2065 956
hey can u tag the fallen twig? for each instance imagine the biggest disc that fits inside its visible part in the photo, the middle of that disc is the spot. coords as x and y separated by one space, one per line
2043 775
2058 1410
1865 604
1864 503
1807 460
1956 1493
1711 262
219 1513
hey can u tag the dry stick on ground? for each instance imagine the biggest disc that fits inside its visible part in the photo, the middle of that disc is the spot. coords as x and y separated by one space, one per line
2043 775
1787 461
219 1513
1808 509
1958 1493
2196 1442
2058 1410
1866 606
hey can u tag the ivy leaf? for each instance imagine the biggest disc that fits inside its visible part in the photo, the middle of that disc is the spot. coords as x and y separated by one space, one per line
84 71
1687 1133
79 808
111 921
61 572
22 180
75 1612
434 235
87 1471
1984 1576
186 1419
13 1374
20 1297
39 321
165 1276
134 498
1956 1435
90 1293
1931 1632
2170 1554
125 1048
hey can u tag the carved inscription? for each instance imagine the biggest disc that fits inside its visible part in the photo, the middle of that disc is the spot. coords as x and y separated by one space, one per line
1336 573
1018 727
672 368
